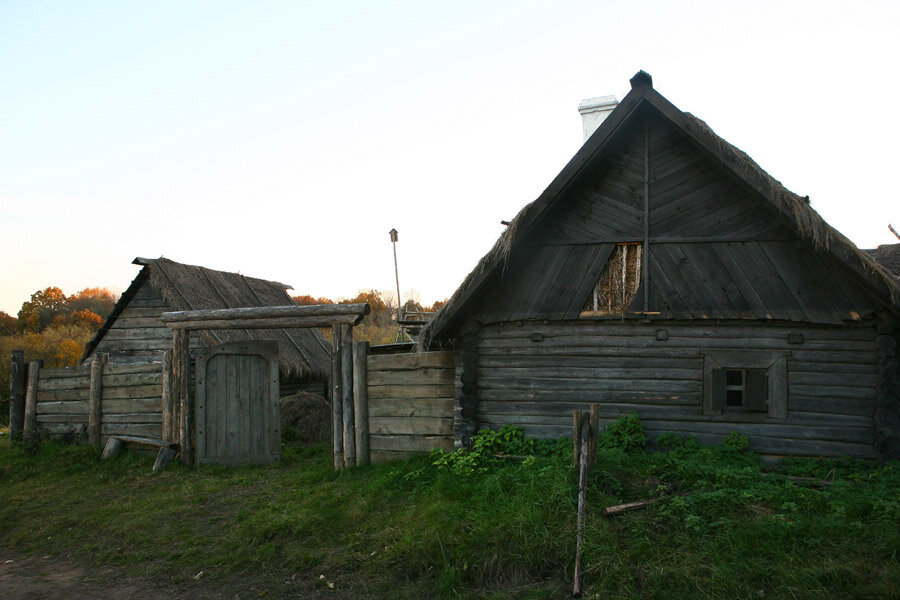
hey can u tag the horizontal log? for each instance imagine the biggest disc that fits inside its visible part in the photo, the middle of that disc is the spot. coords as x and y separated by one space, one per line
617 328
58 428
838 378
638 375
274 323
124 406
136 418
411 425
410 391
133 312
410 407
146 441
133 322
128 369
130 345
554 397
412 360
836 406
72 419
134 391
132 379
329 314
139 333
831 391
612 361
551 384
151 430
60 395
410 443
573 342
64 383
75 407
64 372
412 378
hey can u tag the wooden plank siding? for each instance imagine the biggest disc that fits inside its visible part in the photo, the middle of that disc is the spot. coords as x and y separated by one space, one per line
131 400
832 381
138 334
410 403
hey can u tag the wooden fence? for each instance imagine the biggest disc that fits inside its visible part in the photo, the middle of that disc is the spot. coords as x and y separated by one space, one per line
96 401
410 403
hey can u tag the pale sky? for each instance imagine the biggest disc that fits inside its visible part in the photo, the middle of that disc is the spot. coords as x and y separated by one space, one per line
284 139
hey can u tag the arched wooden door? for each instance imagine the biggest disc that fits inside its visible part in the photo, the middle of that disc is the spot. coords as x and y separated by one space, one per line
237 404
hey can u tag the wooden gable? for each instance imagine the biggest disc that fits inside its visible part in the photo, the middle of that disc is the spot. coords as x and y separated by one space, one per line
717 248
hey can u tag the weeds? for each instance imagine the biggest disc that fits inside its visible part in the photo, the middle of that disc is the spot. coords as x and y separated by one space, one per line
472 525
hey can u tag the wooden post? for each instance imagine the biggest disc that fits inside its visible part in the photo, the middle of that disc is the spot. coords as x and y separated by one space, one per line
16 395
30 420
95 399
181 372
594 435
361 401
584 434
347 395
168 408
337 419
576 435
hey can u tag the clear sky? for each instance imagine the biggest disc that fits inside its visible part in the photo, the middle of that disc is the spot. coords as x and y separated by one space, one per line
284 139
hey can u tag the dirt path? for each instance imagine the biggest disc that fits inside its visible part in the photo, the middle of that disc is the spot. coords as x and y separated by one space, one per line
25 577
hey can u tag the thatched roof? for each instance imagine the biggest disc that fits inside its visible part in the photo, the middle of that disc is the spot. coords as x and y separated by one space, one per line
189 287
888 256
796 209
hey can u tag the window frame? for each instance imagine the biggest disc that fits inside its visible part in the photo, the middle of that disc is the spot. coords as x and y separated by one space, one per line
717 362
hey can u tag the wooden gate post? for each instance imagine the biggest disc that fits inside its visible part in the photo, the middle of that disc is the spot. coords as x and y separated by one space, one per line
361 401
95 399
347 395
168 407
181 369
337 418
16 395
30 421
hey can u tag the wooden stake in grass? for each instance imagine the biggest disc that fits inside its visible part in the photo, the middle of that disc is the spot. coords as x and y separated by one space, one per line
583 434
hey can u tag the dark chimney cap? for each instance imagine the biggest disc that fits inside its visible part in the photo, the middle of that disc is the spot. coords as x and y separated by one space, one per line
641 79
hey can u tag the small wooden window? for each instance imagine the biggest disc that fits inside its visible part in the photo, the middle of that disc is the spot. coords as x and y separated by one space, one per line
619 281
745 381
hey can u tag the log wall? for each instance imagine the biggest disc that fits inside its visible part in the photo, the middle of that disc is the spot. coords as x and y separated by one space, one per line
534 374
131 400
410 401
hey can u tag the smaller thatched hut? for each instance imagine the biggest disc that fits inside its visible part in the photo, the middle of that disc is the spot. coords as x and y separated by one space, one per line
134 331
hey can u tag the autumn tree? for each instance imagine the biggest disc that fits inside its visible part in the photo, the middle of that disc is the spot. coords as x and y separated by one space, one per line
8 324
38 313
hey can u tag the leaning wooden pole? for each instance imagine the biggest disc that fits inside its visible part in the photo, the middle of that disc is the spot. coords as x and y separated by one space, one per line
337 408
584 433
16 395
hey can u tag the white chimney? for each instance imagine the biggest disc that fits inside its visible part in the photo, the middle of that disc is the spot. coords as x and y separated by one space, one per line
594 111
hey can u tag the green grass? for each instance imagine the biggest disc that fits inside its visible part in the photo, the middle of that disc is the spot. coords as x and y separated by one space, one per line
503 530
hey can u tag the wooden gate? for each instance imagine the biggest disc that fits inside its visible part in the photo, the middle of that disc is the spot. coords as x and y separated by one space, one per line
237 403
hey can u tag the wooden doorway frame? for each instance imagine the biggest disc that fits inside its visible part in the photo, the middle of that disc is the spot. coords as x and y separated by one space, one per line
340 317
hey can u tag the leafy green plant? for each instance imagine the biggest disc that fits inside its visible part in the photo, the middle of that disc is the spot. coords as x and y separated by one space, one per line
626 433
487 444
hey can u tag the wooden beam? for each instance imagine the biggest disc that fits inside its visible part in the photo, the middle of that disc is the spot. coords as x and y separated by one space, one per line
361 401
181 370
349 435
30 420
329 314
337 419
268 323
645 255
95 398
168 407
17 394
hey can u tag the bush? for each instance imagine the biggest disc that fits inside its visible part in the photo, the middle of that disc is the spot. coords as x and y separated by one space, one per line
625 433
